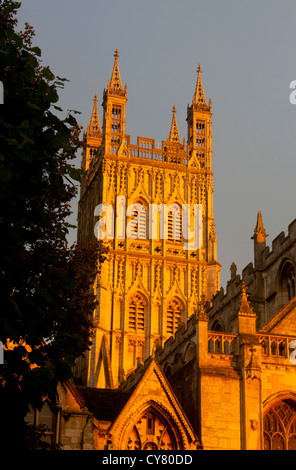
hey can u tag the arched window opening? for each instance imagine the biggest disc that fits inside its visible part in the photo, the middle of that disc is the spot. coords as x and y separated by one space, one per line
137 227
116 112
279 426
190 353
44 423
287 282
137 313
92 153
174 223
174 315
150 421
168 371
216 326
151 432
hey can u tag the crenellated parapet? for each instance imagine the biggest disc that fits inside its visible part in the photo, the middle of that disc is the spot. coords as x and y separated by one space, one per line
270 280
280 244
177 346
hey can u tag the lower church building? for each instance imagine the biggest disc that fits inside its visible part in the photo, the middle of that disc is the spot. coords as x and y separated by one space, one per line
225 381
177 363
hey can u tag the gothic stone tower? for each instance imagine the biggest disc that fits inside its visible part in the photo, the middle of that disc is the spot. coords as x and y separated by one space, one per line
150 284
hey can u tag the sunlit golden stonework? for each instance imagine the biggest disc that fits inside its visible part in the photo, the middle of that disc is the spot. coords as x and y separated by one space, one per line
147 287
177 363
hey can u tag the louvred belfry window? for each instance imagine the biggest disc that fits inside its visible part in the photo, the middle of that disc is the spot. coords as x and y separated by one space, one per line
174 223
116 124
174 315
137 313
138 225
200 133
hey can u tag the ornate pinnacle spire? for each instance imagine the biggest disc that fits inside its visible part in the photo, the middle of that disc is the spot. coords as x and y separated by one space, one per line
253 369
174 133
94 125
201 314
115 82
199 96
245 306
259 232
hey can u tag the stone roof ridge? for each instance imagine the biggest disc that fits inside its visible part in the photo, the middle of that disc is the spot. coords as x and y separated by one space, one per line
278 317
167 400
134 377
75 391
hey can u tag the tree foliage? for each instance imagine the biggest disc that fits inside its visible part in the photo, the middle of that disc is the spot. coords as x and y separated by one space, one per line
46 297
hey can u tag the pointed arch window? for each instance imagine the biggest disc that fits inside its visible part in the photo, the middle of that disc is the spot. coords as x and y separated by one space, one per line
137 226
174 316
200 127
217 326
116 128
200 133
92 153
137 313
116 112
44 423
152 431
174 222
291 284
287 281
279 426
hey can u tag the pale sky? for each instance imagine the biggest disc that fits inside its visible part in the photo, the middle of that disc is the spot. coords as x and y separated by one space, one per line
247 53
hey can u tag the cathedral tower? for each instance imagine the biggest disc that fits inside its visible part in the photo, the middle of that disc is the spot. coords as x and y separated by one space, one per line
153 280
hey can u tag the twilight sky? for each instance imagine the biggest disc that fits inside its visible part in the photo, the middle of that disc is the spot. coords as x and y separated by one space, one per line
247 52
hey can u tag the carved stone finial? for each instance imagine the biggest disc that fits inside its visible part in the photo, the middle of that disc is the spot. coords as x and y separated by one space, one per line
253 369
115 82
93 127
233 271
174 132
259 231
201 314
245 306
199 96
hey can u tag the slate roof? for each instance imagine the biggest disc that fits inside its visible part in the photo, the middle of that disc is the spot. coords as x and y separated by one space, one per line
105 404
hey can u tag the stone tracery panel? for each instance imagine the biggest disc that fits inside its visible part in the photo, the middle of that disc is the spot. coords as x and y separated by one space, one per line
279 426
151 432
